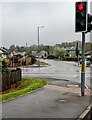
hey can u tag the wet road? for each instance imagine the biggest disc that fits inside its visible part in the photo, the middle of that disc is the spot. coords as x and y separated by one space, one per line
46 103
57 69
51 101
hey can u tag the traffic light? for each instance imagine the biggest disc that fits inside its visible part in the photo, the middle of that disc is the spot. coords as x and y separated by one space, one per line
80 16
89 24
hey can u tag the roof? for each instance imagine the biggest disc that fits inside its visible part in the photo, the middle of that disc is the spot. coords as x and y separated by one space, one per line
4 50
88 53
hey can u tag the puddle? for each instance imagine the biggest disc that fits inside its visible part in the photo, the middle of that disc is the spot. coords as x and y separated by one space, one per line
62 100
72 85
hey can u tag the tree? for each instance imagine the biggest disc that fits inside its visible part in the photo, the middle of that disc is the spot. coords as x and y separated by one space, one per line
59 52
12 48
77 50
88 46
4 68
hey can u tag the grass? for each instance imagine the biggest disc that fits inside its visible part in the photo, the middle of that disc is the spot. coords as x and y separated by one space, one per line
41 63
26 85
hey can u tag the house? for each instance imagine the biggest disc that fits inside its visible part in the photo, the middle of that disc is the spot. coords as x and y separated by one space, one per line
89 55
43 54
4 52
72 51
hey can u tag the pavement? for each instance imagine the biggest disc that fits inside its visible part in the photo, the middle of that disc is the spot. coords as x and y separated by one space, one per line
59 99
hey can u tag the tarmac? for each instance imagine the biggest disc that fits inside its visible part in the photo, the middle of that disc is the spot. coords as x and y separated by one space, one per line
59 99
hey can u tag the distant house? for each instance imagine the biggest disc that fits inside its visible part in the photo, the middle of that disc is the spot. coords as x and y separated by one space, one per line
4 52
43 54
72 51
35 53
14 53
88 54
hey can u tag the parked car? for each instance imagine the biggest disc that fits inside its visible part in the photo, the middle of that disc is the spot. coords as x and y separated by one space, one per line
87 62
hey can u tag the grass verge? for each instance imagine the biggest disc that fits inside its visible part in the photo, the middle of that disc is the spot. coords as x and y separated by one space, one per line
41 63
26 85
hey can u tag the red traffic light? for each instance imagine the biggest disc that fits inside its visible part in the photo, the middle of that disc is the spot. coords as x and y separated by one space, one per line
80 16
79 6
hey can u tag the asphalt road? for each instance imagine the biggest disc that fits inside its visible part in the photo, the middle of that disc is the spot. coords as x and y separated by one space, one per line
50 102
58 69
46 103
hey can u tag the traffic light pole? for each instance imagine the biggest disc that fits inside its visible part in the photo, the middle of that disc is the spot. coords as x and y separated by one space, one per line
83 63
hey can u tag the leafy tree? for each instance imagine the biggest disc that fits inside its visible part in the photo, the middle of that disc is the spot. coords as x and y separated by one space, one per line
77 50
22 49
4 68
32 57
91 46
18 48
19 56
59 52
12 48
88 46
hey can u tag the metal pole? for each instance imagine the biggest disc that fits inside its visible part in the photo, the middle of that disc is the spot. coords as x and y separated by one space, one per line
26 49
38 38
38 48
26 55
83 62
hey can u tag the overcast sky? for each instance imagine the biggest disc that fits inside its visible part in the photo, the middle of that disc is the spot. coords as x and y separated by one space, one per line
21 19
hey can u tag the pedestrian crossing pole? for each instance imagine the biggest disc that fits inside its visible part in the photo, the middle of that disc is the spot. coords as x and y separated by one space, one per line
83 66
81 26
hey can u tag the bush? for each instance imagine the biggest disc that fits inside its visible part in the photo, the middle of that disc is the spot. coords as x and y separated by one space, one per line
71 59
3 67
33 59
51 57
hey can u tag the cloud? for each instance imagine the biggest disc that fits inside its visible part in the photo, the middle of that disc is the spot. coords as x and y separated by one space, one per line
21 19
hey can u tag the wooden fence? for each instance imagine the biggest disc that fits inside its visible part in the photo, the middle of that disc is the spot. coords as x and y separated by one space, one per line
8 79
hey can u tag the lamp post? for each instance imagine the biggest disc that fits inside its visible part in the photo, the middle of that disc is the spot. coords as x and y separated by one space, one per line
38 30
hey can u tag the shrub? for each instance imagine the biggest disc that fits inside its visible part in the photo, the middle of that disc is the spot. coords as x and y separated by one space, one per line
71 58
3 67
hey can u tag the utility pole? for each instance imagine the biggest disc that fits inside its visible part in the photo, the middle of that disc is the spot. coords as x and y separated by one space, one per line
38 30
83 63
38 37
26 48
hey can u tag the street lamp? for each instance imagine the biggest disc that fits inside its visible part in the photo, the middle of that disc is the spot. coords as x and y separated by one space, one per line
38 29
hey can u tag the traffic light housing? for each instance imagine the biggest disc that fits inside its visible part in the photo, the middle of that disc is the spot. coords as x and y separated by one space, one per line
80 16
89 24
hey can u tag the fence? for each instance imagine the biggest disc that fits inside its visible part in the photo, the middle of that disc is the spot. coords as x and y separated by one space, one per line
8 79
